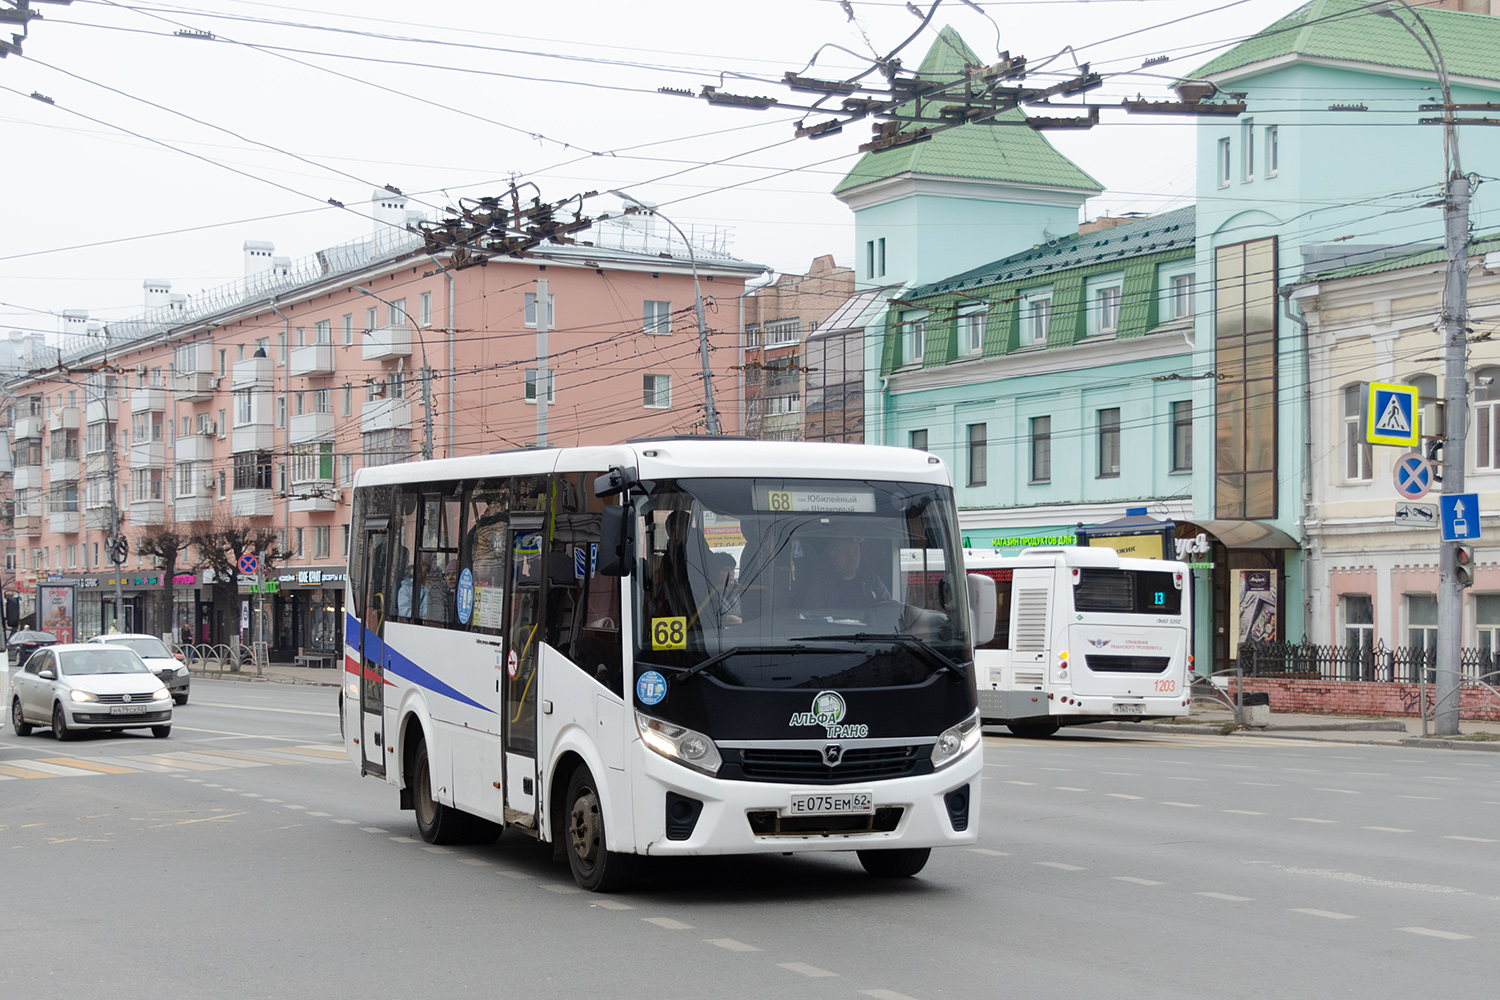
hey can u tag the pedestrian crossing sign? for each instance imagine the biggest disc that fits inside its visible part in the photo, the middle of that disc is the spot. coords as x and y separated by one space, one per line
1392 415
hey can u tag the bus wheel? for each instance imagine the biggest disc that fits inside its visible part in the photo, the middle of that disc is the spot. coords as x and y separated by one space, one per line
595 867
1037 730
903 862
437 823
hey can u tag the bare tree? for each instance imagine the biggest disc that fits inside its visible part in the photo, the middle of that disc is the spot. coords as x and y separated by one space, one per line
165 544
221 544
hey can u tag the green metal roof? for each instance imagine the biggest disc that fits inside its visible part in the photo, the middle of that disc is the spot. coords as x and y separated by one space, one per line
1172 230
1478 247
1349 31
1010 153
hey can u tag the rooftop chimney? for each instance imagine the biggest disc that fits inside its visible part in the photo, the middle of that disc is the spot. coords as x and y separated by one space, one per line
158 292
258 257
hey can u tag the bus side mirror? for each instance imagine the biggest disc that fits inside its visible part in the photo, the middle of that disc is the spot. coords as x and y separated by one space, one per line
982 606
617 541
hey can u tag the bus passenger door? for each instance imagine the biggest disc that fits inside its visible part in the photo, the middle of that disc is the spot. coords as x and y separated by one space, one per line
523 637
372 655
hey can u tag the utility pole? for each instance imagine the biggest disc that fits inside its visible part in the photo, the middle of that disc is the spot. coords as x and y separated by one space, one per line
541 383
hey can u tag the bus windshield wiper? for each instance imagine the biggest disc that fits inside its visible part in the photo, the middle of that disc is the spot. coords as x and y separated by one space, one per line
720 657
933 654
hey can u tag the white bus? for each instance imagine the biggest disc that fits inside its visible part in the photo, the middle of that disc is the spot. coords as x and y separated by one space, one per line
1083 635
654 649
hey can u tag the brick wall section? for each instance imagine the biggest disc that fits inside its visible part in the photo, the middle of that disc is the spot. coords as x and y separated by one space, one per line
1365 698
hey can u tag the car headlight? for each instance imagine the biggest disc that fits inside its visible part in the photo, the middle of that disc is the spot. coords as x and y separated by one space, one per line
160 694
956 741
677 743
78 695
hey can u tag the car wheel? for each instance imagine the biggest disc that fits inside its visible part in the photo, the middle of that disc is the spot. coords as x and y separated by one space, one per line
60 724
437 823
1038 729
179 699
901 862
161 732
17 722
595 867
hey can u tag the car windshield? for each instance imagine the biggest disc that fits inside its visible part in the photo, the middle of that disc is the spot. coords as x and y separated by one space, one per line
143 646
756 574
103 660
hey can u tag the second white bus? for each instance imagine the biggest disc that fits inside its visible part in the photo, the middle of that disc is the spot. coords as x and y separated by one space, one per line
1083 635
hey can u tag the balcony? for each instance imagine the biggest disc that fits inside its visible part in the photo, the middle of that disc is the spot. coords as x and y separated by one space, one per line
148 512
26 428
311 359
312 427
253 373
28 524
63 522
107 409
64 468
194 448
385 415
151 455
98 517
194 385
64 418
200 508
252 503
145 400
252 437
96 464
387 342
27 477
313 497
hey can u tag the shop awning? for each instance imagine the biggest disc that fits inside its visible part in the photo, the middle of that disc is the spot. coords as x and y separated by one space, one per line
1246 534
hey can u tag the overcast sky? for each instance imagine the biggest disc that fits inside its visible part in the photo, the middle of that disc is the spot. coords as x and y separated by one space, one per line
162 153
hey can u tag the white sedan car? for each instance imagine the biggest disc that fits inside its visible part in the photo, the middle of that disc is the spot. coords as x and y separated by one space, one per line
87 686
162 661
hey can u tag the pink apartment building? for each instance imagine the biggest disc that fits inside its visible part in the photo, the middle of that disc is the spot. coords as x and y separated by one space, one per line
261 399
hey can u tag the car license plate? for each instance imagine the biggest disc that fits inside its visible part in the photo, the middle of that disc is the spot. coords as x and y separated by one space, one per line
129 709
1130 708
831 803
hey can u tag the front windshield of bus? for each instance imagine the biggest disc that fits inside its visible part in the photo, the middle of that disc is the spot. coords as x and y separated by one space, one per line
783 582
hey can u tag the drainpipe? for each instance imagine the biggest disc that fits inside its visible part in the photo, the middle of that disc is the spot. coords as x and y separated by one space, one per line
1307 462
447 272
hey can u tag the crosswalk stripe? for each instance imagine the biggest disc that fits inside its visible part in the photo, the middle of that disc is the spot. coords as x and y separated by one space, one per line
214 759
17 771
267 757
172 761
139 764
87 765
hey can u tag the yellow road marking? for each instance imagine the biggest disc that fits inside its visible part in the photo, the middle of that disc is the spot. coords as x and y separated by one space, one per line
22 772
87 765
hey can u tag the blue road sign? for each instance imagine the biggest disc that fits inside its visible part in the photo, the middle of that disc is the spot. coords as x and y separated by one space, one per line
1393 415
1413 476
1460 516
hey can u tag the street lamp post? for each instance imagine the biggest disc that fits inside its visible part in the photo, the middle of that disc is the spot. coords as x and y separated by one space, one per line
426 369
710 412
1455 321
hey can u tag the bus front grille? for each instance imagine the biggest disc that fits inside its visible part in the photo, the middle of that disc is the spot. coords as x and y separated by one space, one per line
807 766
770 823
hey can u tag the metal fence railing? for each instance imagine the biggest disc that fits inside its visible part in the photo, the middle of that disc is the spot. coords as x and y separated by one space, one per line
1398 664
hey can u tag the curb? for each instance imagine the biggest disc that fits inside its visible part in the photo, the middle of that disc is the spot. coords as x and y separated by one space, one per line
1442 744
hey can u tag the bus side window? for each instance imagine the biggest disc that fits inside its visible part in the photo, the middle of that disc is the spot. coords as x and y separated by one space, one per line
584 607
405 584
484 553
1002 578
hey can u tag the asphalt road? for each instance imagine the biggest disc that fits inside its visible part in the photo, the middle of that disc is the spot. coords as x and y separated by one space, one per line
244 857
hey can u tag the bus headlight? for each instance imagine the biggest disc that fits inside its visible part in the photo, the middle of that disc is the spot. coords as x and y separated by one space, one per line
956 741
677 743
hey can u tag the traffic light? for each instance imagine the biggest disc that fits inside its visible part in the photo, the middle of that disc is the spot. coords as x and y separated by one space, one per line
1463 564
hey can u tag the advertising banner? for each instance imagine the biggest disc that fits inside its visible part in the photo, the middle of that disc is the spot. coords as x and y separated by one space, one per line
54 603
1256 618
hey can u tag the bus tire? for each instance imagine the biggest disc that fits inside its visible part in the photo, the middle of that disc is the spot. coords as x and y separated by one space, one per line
901 862
1038 729
595 867
437 823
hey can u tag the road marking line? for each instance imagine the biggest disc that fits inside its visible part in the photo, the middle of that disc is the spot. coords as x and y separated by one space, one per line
668 923
218 760
611 904
1184 805
1328 914
58 770
1472 840
276 801
1060 866
179 764
811 971
1341 791
1122 795
730 944
1260 784
296 807
1020 782
22 772
319 815
1387 829
1310 819
1430 932
373 829
886 995
349 822
1226 897
1065 788
562 888
1243 812
1173 777
510 874
1122 774
1438 777
257 758
88 765
1135 881
476 862
993 854
405 840
437 850
139 764
279 711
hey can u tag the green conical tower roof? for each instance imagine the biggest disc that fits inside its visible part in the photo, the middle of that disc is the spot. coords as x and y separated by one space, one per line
1005 154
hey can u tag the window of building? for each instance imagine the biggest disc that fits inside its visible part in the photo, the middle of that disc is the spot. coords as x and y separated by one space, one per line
658 317
1486 418
656 391
263 346
1431 408
530 310
1107 308
917 440
322 537
1358 453
1041 449
971 317
1182 296
880 257
1038 319
223 425
1273 152
1109 442
280 411
1487 618
348 407
1182 436
913 337
1225 163
424 309
1247 154
346 470
752 334
252 470
870 259
299 339
323 331
372 318
297 547
978 455
281 347
145 484
348 329
531 386
1421 625
1359 623
1247 391
185 485
395 313
783 331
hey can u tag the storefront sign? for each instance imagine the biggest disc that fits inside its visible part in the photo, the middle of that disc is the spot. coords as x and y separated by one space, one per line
1132 546
88 581
185 578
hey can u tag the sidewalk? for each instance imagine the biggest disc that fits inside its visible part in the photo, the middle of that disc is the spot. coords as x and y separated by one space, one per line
277 673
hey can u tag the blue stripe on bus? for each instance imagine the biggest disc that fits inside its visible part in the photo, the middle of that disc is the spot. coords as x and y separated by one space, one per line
405 668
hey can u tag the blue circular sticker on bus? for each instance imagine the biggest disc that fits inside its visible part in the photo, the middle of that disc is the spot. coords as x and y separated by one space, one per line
650 688
465 596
